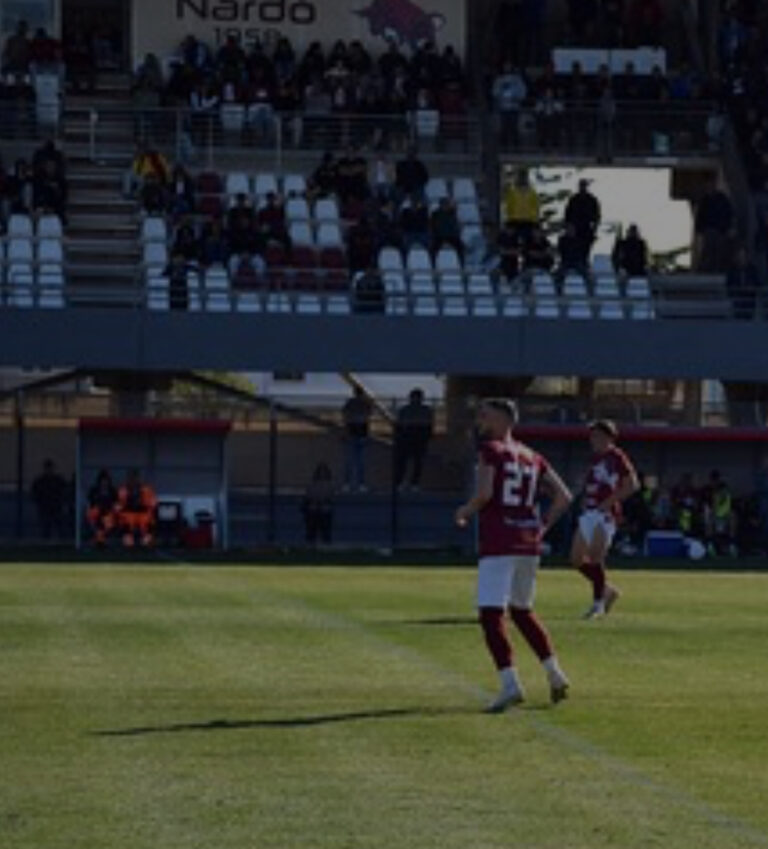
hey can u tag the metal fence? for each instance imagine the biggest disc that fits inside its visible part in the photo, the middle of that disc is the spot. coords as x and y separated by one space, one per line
203 138
627 129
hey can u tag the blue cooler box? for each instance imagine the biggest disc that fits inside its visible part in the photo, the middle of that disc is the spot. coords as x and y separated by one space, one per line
664 544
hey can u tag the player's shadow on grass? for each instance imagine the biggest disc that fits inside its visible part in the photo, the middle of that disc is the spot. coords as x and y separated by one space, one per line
286 723
438 621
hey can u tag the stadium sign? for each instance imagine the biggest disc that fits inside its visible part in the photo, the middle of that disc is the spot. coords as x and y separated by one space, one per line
159 27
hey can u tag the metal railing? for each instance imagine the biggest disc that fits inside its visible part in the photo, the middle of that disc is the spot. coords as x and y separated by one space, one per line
318 291
203 138
650 130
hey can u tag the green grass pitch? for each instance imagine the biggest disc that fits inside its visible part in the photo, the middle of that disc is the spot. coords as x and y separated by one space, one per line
177 707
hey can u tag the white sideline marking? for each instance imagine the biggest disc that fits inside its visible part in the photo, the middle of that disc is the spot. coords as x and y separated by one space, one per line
625 772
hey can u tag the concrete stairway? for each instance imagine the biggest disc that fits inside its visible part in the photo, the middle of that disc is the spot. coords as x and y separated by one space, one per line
102 227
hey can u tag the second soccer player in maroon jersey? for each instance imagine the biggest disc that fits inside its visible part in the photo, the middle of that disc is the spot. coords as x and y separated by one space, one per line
511 480
611 479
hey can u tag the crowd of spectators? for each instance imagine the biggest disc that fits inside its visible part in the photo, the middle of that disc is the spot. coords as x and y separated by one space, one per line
524 245
343 79
382 203
727 524
34 187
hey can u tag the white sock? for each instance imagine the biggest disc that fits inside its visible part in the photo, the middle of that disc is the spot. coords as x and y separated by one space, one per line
552 667
509 678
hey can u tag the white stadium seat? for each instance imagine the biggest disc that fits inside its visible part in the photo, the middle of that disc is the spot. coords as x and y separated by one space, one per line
326 209
50 250
297 209
479 285
436 189
264 184
301 233
447 260
294 184
217 289
49 227
329 236
232 116
390 259
514 307
464 190
484 307
237 183
394 282
20 227
154 229
468 213
418 260
425 305
421 283
450 283
455 305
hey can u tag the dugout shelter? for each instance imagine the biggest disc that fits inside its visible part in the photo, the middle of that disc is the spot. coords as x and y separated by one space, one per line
183 460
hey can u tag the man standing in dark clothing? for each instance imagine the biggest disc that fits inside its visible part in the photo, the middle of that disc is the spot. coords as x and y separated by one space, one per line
631 254
411 175
49 492
415 422
583 212
357 416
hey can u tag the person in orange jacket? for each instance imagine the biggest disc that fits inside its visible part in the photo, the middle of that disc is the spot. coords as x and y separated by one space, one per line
102 502
136 502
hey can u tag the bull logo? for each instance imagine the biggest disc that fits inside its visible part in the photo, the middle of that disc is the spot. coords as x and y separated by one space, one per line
402 20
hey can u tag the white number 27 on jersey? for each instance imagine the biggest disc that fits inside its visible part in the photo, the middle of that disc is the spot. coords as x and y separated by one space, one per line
519 486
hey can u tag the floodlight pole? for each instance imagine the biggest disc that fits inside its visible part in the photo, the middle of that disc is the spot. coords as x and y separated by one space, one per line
20 446
272 493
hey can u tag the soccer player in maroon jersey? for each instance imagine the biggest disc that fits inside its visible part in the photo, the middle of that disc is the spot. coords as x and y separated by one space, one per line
511 479
611 479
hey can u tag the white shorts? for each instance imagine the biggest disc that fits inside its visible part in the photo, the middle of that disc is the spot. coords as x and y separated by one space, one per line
591 520
507 579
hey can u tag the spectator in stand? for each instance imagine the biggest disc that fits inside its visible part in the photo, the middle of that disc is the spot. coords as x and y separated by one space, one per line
414 223
583 213
509 93
361 247
147 163
230 61
49 492
413 431
387 226
352 177
511 249
392 62
743 283
645 23
571 253
259 94
186 242
177 273
317 506
19 189
246 241
79 62
538 254
324 180
630 255
356 413
214 249
204 108
445 229
271 221
714 227
148 83
181 193
521 205
45 55
370 296
381 178
16 53
411 175
549 117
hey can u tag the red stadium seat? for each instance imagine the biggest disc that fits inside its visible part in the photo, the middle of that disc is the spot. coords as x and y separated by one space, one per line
210 205
209 183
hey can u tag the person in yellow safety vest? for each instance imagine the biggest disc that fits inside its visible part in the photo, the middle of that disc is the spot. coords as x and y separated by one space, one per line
722 517
521 205
136 502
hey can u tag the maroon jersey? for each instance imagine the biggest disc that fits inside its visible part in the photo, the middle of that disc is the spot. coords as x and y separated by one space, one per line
606 471
510 522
